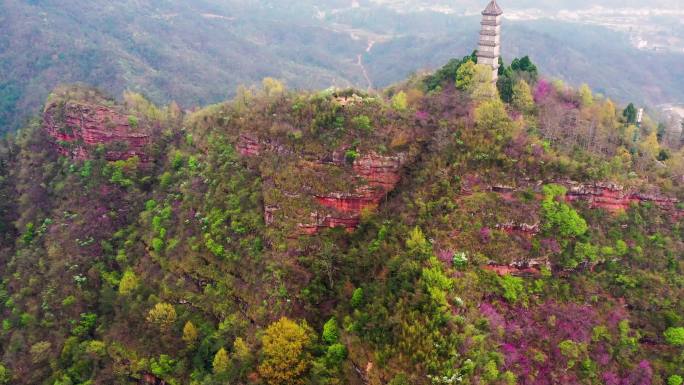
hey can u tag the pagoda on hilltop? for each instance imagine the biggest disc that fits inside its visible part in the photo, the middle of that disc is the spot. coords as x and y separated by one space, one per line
489 48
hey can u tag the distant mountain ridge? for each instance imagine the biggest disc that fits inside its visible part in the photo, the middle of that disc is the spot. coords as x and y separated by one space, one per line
197 53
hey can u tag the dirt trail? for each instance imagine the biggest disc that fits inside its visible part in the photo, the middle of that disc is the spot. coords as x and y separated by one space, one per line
359 62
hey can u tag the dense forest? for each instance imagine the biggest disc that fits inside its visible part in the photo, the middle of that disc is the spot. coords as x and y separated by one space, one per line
446 230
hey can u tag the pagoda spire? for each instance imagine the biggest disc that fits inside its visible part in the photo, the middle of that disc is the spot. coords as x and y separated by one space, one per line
489 48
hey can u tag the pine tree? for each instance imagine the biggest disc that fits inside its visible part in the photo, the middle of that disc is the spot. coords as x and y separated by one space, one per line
221 362
522 97
163 316
128 283
586 96
190 333
630 114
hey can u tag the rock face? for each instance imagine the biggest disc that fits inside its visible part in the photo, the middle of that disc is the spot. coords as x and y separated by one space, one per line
372 174
522 229
602 195
77 127
376 176
614 198
531 267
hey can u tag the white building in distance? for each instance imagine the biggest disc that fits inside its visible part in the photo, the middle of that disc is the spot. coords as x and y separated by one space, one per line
489 48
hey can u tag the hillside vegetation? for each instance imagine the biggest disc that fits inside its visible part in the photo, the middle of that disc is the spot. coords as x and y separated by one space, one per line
443 231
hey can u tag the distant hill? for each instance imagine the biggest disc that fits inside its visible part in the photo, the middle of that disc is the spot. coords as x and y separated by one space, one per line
198 52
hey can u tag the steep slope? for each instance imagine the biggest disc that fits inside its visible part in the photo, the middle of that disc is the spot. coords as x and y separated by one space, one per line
340 237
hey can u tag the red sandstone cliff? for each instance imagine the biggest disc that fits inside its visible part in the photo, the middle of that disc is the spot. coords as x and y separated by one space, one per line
77 127
374 175
613 197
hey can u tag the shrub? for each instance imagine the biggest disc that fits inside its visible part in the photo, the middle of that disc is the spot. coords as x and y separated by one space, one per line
335 354
86 324
5 375
513 288
178 161
241 350
400 379
674 336
129 282
163 366
96 348
351 155
157 245
363 123
40 351
621 248
460 260
150 205
560 217
399 101
675 379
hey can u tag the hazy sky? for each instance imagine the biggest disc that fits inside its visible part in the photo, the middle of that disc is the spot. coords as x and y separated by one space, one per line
553 4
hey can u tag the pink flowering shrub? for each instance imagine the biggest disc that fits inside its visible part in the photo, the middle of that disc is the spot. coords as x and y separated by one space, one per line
561 343
542 90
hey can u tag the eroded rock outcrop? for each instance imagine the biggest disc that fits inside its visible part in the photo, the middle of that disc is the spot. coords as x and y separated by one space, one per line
371 177
602 195
376 175
77 127
532 267
523 229
613 197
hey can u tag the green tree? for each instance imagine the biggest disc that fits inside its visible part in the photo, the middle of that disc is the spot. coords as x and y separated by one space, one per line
586 96
331 333
418 245
524 64
560 217
483 87
630 114
357 298
572 351
505 84
163 316
448 72
273 87
522 97
221 362
285 349
491 116
465 76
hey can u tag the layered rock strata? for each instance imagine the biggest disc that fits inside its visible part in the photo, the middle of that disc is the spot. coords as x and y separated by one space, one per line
77 128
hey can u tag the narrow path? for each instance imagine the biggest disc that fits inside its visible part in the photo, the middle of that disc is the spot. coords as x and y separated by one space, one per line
359 62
